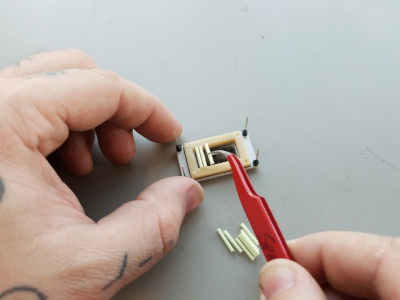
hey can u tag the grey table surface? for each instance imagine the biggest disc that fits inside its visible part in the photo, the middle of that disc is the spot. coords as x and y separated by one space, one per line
319 80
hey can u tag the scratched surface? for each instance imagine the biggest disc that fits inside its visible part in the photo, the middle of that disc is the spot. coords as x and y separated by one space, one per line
320 81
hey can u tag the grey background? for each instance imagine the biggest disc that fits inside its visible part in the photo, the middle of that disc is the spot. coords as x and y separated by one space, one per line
319 80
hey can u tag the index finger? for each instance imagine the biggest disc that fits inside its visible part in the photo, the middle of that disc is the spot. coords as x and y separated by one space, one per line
357 264
79 100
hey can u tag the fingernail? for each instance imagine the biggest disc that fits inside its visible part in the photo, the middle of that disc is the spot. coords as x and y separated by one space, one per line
278 280
194 196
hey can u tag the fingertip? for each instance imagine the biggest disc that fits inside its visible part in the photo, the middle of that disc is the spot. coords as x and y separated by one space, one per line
292 244
285 279
76 154
275 278
178 129
117 144
186 191
81 169
160 125
194 196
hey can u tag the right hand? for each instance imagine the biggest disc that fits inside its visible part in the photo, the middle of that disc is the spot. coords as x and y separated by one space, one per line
335 265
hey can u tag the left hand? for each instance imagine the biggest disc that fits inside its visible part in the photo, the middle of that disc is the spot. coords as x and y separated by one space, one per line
49 248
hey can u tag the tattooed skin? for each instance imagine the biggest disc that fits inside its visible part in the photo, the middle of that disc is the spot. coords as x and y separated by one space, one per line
1 189
144 262
23 292
120 274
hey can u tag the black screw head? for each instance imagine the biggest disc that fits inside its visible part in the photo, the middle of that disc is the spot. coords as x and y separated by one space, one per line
244 132
178 148
256 162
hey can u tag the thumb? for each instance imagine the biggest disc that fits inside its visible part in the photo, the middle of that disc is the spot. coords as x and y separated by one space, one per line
147 228
284 279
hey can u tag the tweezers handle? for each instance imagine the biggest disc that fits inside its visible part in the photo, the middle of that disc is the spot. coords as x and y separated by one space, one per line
259 214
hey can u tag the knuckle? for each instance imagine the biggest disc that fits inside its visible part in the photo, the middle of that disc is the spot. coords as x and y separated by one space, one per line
107 81
82 57
110 75
112 78
169 231
387 259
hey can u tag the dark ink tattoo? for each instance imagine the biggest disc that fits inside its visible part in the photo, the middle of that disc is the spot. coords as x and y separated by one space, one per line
144 262
120 274
19 290
1 188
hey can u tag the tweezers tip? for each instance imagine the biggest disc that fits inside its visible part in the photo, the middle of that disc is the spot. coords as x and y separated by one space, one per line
222 152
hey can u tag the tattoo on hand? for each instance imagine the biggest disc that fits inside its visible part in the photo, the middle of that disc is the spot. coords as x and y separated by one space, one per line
145 261
120 274
18 291
1 189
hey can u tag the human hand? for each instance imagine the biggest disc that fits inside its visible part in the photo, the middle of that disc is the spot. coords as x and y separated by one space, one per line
335 265
49 249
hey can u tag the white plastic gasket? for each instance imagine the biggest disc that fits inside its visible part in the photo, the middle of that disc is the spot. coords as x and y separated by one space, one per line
223 238
250 235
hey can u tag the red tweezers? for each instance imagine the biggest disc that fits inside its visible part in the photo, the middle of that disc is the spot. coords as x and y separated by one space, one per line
259 214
